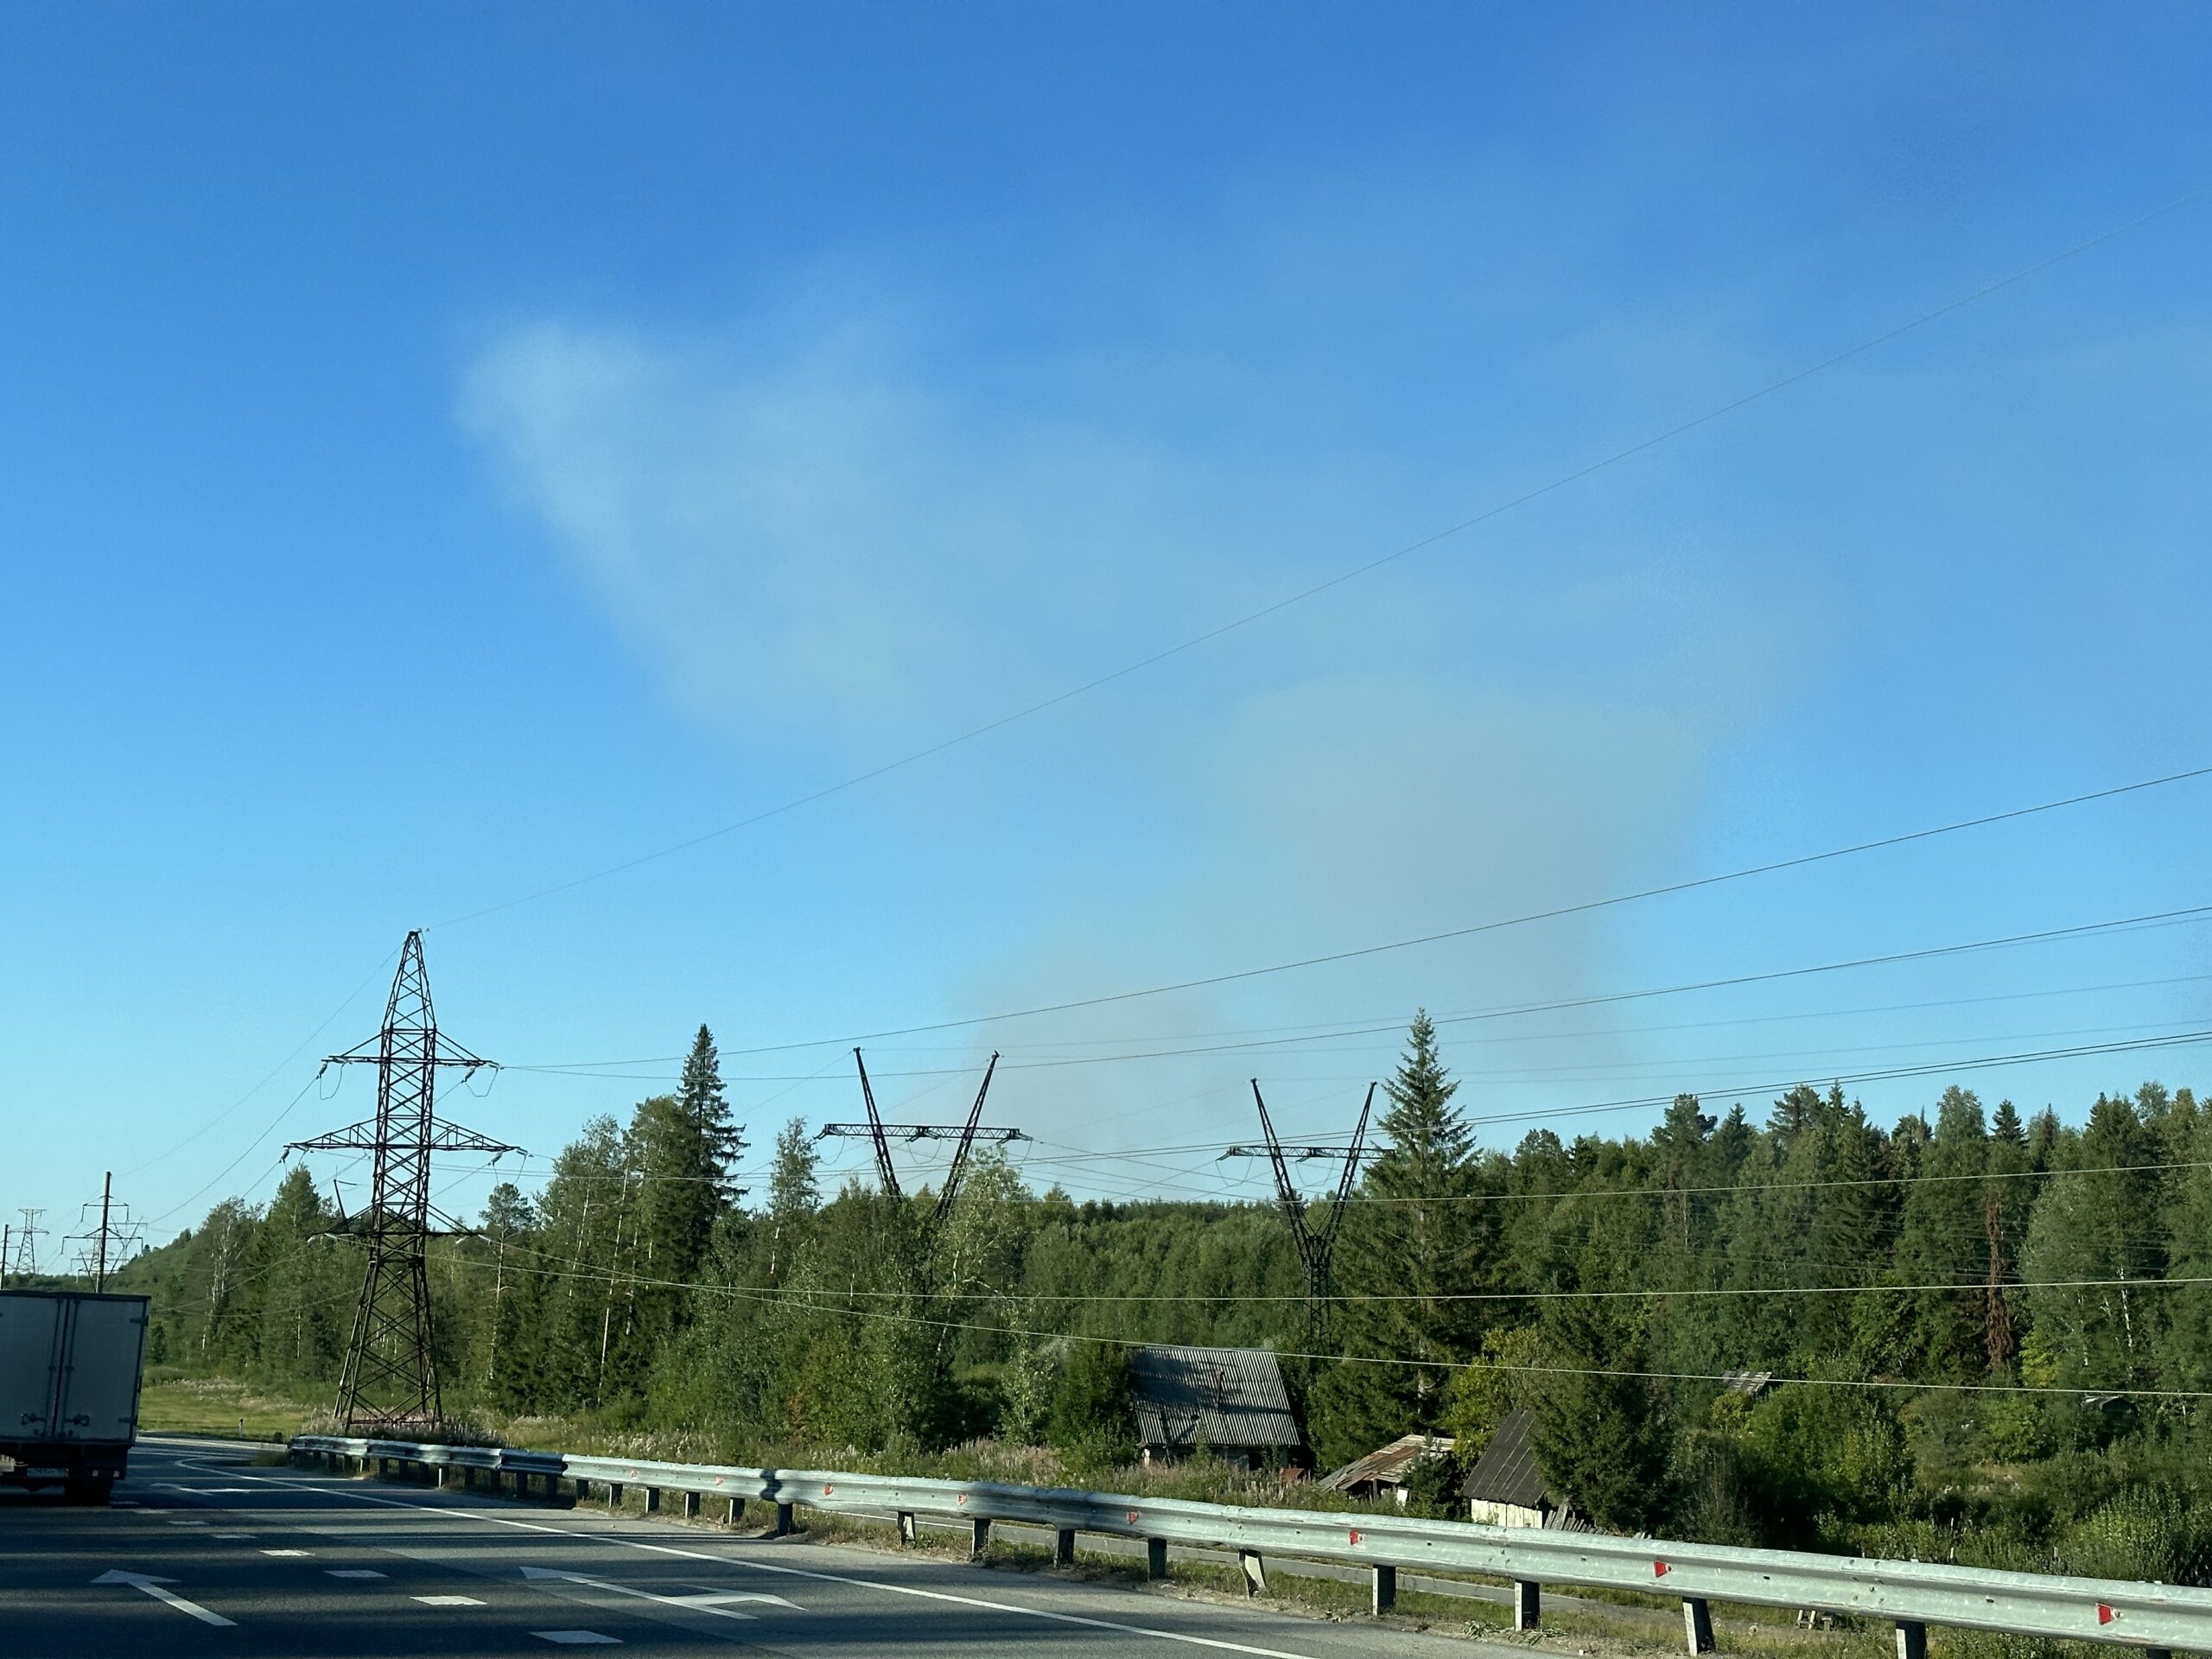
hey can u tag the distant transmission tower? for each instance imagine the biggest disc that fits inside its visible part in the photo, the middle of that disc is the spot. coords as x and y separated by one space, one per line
1315 1245
110 1242
963 1134
27 1238
390 1379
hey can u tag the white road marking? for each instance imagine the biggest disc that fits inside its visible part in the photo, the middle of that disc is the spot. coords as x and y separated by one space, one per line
232 1537
152 1587
448 1601
354 1573
707 1601
284 1552
456 1513
185 1520
576 1638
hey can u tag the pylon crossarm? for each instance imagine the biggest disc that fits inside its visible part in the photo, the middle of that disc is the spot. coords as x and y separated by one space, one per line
355 1137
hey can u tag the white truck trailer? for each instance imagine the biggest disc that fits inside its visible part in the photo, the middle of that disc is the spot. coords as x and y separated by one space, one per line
70 1362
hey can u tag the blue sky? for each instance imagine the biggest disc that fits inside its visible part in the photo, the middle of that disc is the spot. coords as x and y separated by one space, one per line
443 454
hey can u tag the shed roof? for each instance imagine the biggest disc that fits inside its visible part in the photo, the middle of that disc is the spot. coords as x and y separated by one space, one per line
1389 1463
1507 1472
1224 1396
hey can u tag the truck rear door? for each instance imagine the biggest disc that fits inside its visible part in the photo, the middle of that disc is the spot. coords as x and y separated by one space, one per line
30 1349
99 1382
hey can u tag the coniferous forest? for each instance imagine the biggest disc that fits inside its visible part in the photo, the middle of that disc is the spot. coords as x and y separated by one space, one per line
1988 1335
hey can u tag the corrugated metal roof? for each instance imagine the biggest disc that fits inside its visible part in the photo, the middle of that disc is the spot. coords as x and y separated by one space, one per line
1228 1397
1389 1463
1507 1472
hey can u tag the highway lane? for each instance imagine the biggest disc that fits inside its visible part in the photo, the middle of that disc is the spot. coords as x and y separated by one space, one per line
206 1554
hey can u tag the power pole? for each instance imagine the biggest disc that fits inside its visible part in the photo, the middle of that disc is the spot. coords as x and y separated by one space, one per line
965 1135
111 1240
1315 1245
390 1379
7 1232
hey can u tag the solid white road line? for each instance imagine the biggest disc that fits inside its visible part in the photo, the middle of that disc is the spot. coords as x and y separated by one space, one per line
152 1587
1218 1643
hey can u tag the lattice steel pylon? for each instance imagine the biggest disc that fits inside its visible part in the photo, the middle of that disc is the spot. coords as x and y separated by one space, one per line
964 1136
1316 1247
390 1379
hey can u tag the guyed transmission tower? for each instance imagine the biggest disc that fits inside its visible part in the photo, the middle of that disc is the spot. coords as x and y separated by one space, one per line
390 1379
964 1136
1315 1245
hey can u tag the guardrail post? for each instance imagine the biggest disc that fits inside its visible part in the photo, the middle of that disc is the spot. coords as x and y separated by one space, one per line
1912 1639
1063 1546
1155 1558
1386 1588
1697 1625
614 1494
736 1511
691 1506
1255 1571
652 1500
1528 1604
2157 1653
783 1525
979 1535
438 1476
906 1527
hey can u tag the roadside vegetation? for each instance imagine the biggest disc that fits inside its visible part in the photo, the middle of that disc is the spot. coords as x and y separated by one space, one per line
1984 1336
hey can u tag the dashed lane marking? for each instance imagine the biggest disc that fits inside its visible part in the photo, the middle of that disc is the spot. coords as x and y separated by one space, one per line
447 1601
577 1638
354 1573
1219 1645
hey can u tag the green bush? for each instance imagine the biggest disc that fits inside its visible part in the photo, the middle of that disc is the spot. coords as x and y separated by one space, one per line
2147 1533
1092 1424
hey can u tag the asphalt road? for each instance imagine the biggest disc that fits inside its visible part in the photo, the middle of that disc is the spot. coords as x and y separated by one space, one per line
206 1554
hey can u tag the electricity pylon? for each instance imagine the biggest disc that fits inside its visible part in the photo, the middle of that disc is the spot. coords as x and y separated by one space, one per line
390 1379
1315 1245
114 1240
963 1134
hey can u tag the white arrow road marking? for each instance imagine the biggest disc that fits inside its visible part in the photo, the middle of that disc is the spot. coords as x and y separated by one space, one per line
152 1587
706 1601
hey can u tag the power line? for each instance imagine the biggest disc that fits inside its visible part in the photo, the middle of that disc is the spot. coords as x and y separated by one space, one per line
779 1297
1353 574
2041 936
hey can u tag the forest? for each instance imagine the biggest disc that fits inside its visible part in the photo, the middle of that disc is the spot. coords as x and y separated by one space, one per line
1987 1336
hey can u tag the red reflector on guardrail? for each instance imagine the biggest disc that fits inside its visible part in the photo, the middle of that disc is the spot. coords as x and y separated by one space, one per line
1660 1569
2105 1615
1354 1534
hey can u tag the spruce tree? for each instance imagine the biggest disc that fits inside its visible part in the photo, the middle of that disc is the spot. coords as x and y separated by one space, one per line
1416 1240
700 1093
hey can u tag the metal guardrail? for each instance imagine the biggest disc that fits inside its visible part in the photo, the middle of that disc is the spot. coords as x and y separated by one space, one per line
1912 1595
